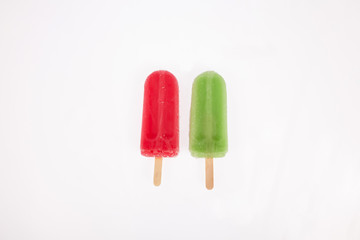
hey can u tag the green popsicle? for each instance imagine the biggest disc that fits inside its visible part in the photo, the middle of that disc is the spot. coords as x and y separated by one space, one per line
208 124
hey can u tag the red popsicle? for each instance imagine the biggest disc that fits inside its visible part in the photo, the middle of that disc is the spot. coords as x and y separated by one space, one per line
160 123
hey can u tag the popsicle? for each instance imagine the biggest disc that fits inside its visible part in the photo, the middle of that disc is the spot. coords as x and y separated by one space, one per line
160 122
208 121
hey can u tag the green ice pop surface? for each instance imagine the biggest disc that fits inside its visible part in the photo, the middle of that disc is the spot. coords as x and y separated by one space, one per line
208 124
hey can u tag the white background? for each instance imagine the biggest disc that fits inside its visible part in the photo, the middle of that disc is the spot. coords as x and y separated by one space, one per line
71 91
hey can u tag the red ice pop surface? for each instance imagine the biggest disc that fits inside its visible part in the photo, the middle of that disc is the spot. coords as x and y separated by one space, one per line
160 123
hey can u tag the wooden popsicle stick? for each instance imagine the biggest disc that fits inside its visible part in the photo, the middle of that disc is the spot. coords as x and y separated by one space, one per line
157 171
209 173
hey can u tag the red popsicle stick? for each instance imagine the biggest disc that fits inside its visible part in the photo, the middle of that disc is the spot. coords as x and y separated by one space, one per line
160 123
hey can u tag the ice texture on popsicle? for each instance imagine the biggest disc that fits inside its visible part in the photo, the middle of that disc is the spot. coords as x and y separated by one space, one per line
208 121
160 123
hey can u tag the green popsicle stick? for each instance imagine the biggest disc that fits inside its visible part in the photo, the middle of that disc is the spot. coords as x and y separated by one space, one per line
208 121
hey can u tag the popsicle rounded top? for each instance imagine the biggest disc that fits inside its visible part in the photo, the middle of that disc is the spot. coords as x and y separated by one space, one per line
160 123
208 120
